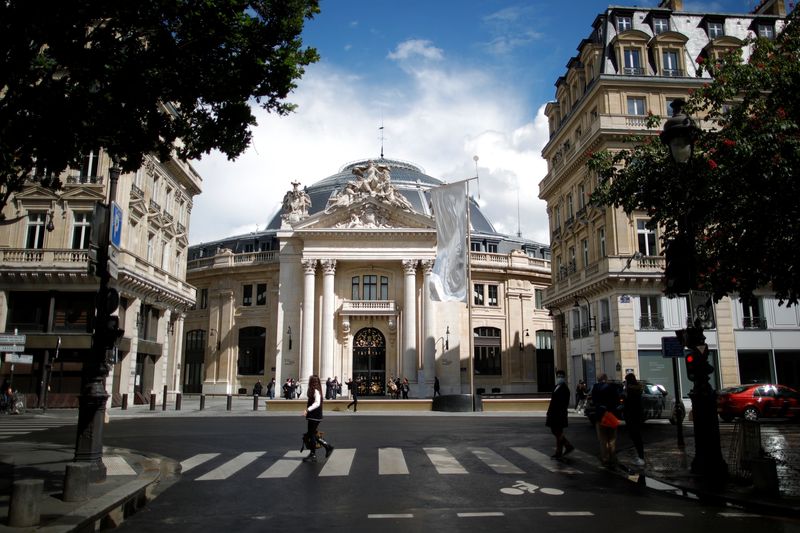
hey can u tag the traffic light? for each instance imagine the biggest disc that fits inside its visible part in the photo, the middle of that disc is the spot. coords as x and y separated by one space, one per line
691 366
112 332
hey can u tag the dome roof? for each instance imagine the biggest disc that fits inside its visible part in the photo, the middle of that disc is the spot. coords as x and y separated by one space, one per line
408 179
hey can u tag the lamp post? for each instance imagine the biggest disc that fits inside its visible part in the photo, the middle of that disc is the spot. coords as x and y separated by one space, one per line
679 276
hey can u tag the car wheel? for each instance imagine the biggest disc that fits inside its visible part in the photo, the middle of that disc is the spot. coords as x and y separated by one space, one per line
751 413
726 418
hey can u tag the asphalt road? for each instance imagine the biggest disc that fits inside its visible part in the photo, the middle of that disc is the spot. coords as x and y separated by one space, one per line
398 473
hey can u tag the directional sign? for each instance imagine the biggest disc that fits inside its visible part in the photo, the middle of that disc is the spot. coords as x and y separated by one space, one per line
115 227
671 347
12 339
22 359
17 348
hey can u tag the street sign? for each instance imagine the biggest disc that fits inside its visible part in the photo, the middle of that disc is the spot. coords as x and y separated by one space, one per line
12 339
22 359
671 347
17 348
115 227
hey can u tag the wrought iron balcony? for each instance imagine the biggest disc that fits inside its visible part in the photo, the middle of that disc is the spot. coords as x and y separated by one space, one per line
754 322
651 322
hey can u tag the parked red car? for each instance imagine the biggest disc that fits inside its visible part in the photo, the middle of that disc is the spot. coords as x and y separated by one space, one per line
759 400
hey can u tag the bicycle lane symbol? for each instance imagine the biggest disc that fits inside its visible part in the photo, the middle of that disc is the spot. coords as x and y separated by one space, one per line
521 487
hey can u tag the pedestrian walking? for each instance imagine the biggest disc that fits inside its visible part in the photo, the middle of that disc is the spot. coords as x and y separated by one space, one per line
287 389
335 388
258 388
353 386
271 389
436 387
313 414
634 418
405 387
557 418
580 395
328 384
605 398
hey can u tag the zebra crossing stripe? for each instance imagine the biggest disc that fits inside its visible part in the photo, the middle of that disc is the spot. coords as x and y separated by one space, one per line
339 463
117 466
231 467
658 513
283 467
480 515
391 462
544 461
497 462
196 460
444 462
570 513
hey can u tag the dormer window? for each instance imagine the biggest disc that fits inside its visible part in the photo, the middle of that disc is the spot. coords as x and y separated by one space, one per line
633 62
669 66
624 23
766 30
715 29
660 25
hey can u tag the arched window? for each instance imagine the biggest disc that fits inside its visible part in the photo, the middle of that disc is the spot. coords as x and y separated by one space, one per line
487 351
252 349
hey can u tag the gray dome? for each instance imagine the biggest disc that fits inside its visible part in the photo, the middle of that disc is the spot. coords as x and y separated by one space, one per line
408 179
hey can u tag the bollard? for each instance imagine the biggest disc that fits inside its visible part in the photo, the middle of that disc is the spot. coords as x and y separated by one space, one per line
23 510
125 401
255 403
178 401
230 402
202 401
76 482
152 401
164 400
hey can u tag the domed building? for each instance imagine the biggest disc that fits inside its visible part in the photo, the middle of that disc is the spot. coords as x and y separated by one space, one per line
338 285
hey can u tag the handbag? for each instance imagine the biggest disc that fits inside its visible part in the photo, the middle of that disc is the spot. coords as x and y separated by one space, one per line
609 420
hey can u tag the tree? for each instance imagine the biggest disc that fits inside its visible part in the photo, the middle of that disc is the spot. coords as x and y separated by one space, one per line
738 196
169 77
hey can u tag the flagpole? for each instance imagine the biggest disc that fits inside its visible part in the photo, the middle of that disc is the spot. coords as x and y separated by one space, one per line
471 365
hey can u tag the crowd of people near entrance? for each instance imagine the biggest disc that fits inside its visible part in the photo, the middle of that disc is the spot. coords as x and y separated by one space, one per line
396 388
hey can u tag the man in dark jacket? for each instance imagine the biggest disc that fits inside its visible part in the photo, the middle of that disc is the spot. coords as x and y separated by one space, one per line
557 415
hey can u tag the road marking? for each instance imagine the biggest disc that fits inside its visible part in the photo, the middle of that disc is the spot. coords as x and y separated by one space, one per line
391 462
399 515
739 515
548 463
570 513
231 467
117 466
196 460
658 513
339 463
478 515
497 462
444 462
283 467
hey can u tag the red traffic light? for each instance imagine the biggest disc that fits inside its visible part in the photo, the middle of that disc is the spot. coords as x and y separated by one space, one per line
690 358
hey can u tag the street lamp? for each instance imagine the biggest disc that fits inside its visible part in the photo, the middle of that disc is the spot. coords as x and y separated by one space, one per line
679 134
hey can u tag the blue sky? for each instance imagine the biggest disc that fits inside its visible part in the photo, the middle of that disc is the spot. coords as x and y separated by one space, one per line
449 79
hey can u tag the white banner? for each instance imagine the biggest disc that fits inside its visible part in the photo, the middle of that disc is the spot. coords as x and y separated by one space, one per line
449 276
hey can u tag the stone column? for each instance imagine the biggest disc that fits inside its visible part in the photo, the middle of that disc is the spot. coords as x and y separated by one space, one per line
307 334
409 361
327 333
429 343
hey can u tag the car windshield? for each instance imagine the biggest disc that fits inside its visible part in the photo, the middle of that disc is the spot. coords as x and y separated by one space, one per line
736 390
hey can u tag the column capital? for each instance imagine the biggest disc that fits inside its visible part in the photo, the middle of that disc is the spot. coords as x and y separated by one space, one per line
309 265
410 266
427 266
328 266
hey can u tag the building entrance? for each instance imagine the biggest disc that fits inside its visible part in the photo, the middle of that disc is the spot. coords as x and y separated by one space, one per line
369 362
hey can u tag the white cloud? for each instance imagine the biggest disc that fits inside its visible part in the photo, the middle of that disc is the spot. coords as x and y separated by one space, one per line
438 118
416 47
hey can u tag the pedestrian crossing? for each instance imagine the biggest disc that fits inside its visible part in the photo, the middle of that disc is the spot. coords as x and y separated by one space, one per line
12 426
391 461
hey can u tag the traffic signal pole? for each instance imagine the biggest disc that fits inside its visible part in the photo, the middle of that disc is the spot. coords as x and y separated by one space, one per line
106 332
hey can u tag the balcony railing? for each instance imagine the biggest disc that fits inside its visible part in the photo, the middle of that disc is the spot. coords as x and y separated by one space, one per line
633 71
576 332
155 206
136 191
369 307
227 260
754 322
651 322
605 325
77 179
672 73
32 256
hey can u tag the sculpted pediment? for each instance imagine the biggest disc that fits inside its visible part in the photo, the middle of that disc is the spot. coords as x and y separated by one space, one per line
366 214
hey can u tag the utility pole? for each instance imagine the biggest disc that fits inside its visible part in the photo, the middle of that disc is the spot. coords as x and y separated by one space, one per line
104 242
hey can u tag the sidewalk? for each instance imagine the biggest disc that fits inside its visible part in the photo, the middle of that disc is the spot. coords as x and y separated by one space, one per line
125 491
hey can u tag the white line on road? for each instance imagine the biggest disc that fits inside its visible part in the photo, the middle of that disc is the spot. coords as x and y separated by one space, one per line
479 515
570 513
196 460
339 463
497 462
739 515
391 462
544 461
231 467
400 515
658 513
117 466
444 462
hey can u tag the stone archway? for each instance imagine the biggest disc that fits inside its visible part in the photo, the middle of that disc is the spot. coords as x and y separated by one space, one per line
369 362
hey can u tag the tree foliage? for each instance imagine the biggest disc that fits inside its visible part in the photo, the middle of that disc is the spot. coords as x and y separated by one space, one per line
739 194
139 77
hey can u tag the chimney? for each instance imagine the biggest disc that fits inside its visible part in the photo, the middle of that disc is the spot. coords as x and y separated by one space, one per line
674 5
